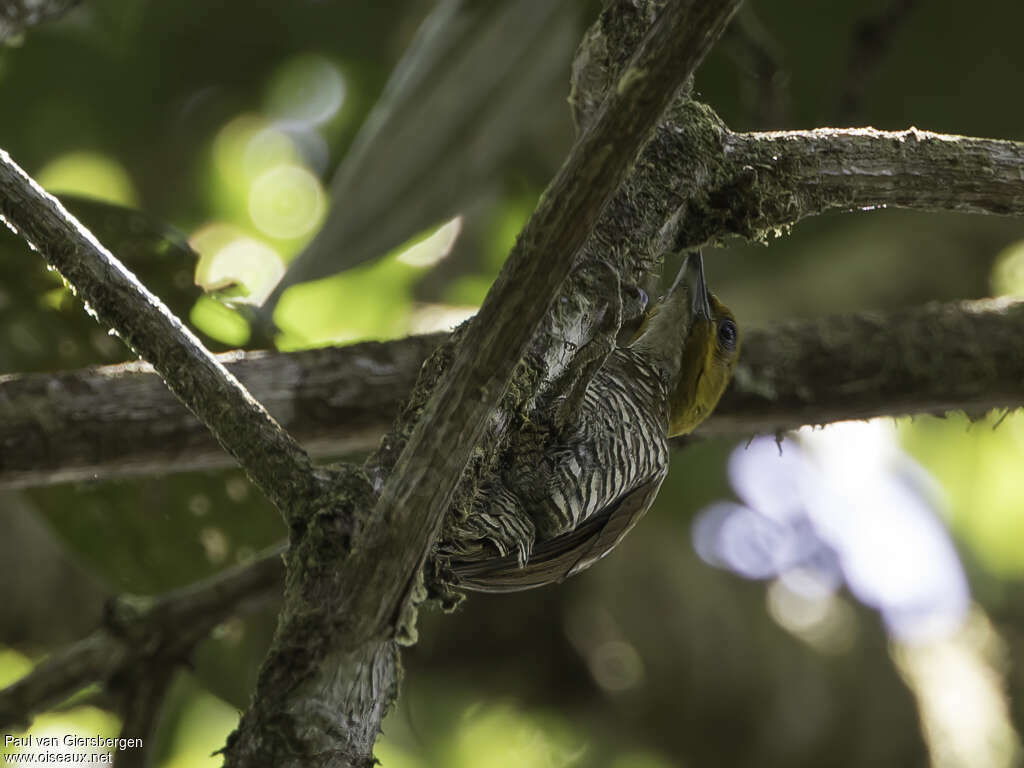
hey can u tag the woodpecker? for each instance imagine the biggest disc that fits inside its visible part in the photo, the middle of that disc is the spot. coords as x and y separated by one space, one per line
551 512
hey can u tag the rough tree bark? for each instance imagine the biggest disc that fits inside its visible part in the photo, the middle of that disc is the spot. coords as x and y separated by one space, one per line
360 538
323 703
98 423
351 587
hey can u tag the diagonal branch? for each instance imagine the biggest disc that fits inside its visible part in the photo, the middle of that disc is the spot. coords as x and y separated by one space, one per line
112 294
457 413
326 708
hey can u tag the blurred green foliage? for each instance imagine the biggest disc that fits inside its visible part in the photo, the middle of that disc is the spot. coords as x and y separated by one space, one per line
977 464
188 111
123 530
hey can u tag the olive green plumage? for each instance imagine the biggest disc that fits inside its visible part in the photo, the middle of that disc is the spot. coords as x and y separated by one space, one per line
554 512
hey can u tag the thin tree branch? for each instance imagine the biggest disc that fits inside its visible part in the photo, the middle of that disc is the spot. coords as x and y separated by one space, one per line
139 638
763 183
272 459
141 705
96 657
326 709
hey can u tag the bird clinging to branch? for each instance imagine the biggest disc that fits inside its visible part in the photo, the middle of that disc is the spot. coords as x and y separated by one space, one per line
549 513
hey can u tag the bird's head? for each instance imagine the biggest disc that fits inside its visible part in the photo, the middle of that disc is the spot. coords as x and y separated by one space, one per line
693 339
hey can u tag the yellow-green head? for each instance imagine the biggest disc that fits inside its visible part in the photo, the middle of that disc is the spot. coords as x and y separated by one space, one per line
693 338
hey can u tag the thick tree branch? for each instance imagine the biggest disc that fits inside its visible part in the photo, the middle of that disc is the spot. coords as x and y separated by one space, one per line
965 356
272 459
931 359
941 357
458 410
121 421
141 638
763 183
332 671
327 709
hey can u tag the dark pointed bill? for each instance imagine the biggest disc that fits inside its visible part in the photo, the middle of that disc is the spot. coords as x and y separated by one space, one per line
696 285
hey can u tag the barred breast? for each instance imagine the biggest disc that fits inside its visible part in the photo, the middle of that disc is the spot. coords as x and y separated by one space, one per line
619 443
617 446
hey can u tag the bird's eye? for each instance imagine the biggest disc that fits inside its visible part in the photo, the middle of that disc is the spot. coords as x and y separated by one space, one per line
727 334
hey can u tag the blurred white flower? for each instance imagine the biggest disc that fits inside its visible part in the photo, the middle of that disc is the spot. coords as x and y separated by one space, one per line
841 506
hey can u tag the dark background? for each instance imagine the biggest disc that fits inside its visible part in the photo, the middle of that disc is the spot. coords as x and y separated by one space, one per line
654 658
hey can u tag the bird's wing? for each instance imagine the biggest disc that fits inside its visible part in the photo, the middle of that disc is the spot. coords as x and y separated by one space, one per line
554 560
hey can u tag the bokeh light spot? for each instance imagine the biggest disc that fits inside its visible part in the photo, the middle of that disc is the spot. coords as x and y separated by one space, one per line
89 174
431 249
1008 271
228 258
824 622
841 505
307 89
219 322
247 146
215 544
200 732
616 666
371 301
494 737
960 695
267 148
12 666
286 202
430 318
978 466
